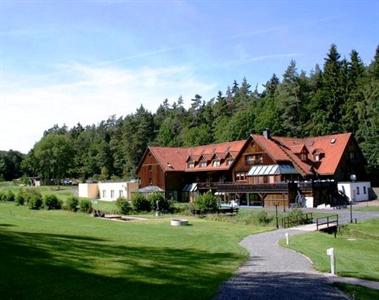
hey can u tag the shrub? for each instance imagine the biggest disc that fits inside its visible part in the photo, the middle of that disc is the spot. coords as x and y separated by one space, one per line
85 206
2 196
123 206
158 198
32 195
20 198
140 203
72 203
263 218
8 196
35 201
52 202
206 203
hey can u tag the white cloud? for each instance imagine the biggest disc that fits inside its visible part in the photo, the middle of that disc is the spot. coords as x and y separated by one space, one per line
86 94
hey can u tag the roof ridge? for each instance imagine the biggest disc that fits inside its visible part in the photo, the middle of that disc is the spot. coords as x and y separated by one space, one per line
282 147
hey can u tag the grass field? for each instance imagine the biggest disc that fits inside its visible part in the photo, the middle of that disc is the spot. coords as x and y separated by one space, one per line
358 292
60 254
367 208
356 249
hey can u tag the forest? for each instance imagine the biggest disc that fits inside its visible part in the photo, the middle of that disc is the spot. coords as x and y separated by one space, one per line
341 95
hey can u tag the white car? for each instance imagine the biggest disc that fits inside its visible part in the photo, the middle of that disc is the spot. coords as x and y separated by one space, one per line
233 204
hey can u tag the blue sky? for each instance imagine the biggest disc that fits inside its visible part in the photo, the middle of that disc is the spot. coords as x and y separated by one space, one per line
82 61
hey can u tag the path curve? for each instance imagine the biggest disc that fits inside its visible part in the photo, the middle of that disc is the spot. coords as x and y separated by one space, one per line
273 272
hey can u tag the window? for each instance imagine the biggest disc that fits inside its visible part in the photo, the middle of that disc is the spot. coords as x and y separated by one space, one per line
229 161
364 190
151 181
357 190
254 159
250 159
240 176
216 163
317 157
104 193
303 156
150 168
191 164
112 193
121 193
202 164
271 179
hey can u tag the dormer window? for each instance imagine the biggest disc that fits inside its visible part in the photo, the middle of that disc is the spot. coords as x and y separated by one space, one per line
317 157
216 163
191 164
203 164
303 156
229 161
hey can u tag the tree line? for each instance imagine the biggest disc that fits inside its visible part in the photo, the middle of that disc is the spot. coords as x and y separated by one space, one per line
342 95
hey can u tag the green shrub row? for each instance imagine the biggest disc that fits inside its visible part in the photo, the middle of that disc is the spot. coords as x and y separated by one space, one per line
142 203
245 218
34 200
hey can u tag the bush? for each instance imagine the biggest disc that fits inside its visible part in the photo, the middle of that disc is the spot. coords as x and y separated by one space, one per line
2 196
85 206
263 218
158 198
8 196
72 203
35 201
32 197
52 202
206 203
123 206
140 203
20 198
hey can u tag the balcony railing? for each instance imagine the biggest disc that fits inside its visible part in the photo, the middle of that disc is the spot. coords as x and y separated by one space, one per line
281 187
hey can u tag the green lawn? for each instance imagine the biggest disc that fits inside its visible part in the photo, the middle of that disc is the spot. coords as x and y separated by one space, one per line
59 254
366 208
358 292
356 249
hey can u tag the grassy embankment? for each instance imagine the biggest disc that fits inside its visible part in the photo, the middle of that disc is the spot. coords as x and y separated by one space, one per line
356 249
60 254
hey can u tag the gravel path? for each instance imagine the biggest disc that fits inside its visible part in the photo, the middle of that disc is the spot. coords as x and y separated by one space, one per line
273 272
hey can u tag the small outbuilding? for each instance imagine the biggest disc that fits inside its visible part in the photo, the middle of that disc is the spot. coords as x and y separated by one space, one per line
108 190
355 191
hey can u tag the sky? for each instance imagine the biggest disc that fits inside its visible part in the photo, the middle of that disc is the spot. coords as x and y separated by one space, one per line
64 62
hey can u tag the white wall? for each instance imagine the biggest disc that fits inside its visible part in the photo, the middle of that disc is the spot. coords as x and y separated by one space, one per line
88 190
110 191
357 191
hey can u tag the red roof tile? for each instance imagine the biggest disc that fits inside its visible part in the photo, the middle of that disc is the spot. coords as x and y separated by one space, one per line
177 157
271 148
333 147
278 148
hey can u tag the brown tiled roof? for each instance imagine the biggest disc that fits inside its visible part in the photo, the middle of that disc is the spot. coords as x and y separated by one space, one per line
332 146
177 157
278 148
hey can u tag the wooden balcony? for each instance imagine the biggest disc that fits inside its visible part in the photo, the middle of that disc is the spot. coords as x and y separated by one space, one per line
231 187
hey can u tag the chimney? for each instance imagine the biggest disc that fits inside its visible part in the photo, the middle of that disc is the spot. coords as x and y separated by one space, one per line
266 133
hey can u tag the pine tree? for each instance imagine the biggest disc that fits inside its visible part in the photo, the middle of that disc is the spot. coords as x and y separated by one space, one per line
289 97
271 86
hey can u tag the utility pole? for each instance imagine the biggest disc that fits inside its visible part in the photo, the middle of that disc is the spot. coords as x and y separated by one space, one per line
276 215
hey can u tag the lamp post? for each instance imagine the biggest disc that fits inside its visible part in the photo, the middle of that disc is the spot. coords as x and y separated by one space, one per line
353 178
276 215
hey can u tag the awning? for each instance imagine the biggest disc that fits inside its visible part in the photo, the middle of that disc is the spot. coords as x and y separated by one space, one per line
192 187
150 189
260 170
